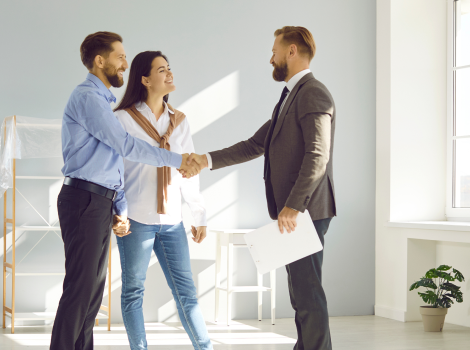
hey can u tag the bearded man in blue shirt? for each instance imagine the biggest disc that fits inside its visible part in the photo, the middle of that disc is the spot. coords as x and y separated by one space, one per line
93 145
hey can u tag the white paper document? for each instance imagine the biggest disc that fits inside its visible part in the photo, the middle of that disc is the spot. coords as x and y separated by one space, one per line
271 249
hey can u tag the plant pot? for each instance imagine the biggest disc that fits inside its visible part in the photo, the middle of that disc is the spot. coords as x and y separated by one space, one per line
433 318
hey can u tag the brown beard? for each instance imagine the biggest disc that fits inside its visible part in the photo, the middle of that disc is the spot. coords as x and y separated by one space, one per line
112 74
280 71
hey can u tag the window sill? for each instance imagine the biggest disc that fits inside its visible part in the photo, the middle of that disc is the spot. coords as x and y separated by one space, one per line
447 231
432 225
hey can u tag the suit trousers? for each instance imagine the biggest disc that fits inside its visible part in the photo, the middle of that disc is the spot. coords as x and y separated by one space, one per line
85 221
308 298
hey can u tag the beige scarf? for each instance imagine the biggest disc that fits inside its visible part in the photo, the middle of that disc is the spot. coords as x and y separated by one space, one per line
163 173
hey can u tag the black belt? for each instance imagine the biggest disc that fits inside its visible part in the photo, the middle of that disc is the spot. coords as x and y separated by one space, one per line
90 187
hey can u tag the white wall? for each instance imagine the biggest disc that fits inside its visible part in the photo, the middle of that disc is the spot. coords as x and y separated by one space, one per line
411 154
218 50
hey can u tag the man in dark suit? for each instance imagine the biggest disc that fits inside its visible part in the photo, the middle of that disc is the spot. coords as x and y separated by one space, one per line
297 143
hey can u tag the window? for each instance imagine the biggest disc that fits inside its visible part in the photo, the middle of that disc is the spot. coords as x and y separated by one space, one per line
458 197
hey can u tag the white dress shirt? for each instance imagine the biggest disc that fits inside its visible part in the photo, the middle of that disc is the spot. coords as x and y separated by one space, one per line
140 180
290 85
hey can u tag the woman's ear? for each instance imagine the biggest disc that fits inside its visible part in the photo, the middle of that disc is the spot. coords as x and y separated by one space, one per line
145 81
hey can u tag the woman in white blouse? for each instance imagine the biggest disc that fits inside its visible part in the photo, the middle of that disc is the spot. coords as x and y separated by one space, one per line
154 202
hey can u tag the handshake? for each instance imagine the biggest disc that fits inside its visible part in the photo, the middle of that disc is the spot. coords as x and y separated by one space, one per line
192 164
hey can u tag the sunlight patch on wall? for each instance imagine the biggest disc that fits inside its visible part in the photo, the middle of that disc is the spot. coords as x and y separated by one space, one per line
52 297
168 312
221 198
212 103
115 269
222 211
54 190
9 236
205 281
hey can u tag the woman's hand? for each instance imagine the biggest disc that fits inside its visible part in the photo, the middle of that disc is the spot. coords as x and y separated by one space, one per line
198 233
121 225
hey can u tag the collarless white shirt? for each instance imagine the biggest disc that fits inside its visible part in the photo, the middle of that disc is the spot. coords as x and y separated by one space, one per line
140 180
290 85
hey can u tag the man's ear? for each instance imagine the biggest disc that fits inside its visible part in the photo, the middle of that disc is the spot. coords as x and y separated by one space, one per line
292 50
99 61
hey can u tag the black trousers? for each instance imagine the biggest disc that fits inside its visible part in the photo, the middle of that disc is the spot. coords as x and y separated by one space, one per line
85 222
308 298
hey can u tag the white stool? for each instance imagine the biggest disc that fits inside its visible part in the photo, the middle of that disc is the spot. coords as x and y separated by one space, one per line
234 239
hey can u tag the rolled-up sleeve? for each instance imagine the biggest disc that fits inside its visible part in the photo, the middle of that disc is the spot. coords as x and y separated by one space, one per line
120 203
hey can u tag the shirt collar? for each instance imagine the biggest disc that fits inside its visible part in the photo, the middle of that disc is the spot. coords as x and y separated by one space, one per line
142 106
100 85
296 78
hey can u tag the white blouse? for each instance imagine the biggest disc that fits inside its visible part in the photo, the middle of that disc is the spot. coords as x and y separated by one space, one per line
140 180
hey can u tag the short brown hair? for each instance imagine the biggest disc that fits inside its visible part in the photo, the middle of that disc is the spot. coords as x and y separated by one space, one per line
299 36
95 44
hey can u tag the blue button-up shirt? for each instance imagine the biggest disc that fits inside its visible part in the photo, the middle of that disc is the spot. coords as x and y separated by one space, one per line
94 141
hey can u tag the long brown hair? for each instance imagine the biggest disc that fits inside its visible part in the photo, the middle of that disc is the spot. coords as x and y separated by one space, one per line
140 67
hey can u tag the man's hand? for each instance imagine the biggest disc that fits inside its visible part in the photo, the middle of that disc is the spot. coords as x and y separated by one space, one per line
287 218
121 225
198 233
189 169
200 159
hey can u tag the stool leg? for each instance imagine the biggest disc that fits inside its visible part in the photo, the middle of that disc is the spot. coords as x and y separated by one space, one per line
273 295
217 276
260 297
229 281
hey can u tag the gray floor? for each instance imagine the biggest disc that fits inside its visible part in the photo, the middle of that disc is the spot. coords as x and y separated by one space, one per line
360 332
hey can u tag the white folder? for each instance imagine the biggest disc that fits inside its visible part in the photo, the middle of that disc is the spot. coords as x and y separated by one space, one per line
271 249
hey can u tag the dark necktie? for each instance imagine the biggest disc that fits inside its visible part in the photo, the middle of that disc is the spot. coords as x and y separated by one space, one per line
267 167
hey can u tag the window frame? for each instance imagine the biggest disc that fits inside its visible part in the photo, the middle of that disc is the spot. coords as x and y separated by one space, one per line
452 214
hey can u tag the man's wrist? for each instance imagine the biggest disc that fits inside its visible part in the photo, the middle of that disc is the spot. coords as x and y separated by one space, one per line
176 160
121 212
292 209
121 218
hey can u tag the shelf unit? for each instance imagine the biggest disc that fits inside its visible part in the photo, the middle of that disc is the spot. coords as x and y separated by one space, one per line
11 266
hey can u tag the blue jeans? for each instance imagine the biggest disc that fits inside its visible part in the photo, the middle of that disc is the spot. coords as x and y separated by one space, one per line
170 244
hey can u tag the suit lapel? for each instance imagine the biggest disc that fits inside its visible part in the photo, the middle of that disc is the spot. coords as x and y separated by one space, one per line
290 98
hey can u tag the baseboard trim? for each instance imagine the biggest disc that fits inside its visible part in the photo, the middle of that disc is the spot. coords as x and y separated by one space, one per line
389 312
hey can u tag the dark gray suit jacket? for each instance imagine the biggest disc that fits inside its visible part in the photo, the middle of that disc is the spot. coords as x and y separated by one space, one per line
300 152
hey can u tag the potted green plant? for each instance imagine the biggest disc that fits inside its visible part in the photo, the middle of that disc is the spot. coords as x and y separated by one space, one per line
439 294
